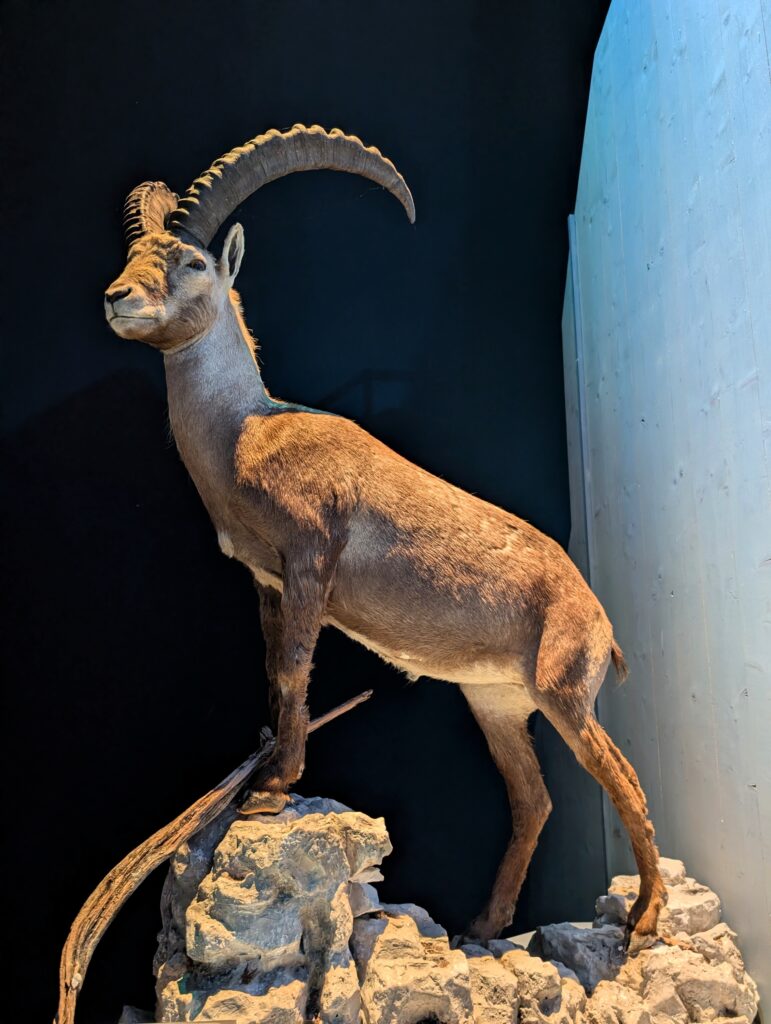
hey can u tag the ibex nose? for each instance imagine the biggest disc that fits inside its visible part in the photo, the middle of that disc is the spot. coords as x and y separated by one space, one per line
114 294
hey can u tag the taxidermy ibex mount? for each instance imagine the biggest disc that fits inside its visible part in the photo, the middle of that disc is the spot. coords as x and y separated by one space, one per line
339 530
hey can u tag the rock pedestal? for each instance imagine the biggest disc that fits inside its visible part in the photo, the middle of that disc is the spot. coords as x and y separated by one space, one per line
699 976
275 920
258 916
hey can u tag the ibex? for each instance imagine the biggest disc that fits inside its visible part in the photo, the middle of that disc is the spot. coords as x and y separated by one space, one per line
339 530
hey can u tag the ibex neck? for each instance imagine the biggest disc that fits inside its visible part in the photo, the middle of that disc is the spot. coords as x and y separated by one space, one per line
217 373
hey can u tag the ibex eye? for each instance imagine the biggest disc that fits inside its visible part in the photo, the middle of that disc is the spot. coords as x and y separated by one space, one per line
197 265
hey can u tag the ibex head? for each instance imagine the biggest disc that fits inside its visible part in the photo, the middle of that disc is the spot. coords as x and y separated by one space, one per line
173 288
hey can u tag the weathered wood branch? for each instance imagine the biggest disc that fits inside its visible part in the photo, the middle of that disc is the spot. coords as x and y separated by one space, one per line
105 901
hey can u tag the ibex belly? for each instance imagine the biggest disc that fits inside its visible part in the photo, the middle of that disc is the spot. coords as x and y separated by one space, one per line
483 670
390 632
412 663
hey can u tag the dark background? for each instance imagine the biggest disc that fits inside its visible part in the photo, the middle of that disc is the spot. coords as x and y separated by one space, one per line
132 649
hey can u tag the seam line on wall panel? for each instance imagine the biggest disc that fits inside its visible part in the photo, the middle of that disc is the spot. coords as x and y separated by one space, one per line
583 435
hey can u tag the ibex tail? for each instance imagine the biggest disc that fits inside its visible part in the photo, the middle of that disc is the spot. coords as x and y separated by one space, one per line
617 656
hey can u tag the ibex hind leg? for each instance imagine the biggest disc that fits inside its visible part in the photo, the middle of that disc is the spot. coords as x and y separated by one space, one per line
502 711
568 676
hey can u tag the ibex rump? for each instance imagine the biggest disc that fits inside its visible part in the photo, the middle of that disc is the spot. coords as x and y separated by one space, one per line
338 529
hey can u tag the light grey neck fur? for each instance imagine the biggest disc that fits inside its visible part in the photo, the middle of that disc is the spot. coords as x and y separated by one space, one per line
212 386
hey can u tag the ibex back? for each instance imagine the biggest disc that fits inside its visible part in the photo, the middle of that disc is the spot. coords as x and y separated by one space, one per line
338 529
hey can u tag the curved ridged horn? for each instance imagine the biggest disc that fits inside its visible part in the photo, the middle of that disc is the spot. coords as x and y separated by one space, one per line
233 177
146 209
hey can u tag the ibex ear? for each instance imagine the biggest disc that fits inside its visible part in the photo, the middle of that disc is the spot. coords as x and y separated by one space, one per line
232 253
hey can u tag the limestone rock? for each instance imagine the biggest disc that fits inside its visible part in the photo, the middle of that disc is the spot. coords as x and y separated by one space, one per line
612 1003
269 876
572 1003
538 984
691 907
727 1020
425 923
406 976
363 898
672 871
244 993
366 931
665 983
663 1002
493 991
471 949
274 920
594 954
340 999
187 869
611 908
500 946
548 993
282 1004
704 989
565 972
718 945
258 914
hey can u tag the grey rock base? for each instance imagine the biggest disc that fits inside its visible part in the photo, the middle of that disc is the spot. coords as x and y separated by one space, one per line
275 920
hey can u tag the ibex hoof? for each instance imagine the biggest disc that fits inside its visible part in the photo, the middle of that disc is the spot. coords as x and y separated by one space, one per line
261 801
636 943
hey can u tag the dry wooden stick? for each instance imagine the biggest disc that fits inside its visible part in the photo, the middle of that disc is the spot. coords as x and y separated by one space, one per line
105 901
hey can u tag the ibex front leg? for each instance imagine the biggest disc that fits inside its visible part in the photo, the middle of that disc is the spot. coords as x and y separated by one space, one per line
290 643
271 621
